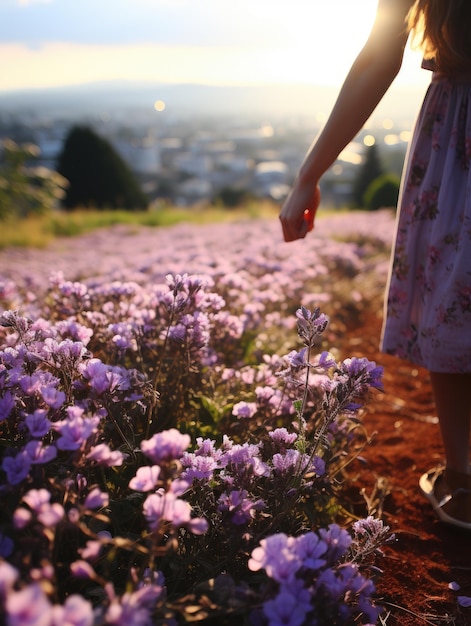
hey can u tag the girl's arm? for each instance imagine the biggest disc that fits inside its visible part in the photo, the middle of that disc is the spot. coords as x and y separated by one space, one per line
369 78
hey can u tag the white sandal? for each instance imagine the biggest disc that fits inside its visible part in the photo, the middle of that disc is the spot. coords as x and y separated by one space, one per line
427 485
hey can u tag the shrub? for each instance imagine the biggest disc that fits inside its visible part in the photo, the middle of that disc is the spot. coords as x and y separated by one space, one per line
26 189
98 177
383 192
114 512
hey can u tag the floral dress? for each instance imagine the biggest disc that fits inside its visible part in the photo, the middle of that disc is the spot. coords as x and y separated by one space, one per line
428 307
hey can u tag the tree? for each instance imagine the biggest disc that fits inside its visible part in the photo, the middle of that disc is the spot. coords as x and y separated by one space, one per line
382 192
98 176
370 169
26 189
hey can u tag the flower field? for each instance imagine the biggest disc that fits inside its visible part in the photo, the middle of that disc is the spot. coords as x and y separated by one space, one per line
177 426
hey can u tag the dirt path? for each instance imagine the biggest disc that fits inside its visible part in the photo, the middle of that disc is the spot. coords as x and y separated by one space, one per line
427 555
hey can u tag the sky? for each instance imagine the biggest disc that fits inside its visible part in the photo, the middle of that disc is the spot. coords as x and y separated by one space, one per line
50 43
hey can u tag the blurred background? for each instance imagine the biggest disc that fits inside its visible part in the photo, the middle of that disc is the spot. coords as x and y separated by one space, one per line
195 102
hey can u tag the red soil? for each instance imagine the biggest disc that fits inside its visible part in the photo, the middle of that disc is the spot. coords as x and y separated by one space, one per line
427 555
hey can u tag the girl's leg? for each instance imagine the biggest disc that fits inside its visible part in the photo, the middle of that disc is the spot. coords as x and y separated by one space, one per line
452 393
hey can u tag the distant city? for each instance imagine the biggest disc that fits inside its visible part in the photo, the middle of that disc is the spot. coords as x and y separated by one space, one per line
188 143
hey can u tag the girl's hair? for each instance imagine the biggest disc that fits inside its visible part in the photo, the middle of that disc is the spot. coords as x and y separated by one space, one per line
443 28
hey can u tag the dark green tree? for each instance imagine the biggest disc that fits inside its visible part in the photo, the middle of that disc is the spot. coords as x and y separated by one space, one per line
382 192
98 177
368 171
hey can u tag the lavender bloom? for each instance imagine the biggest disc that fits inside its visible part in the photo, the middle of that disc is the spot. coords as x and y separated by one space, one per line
239 505
309 549
37 423
282 436
53 397
166 446
38 501
75 430
8 577
40 454
146 478
244 409
96 499
82 569
51 514
289 461
36 498
338 541
198 467
91 551
326 361
17 467
206 447
7 404
297 360
365 372
103 455
311 325
242 457
167 507
96 373
276 555
76 612
21 518
134 608
286 610
28 607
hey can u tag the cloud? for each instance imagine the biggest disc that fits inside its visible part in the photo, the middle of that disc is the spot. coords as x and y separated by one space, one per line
27 3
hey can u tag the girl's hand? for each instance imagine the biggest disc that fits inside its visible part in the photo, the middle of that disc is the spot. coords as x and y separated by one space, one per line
299 210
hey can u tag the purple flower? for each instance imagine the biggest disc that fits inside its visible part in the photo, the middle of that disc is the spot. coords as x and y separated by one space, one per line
21 517
8 577
167 507
134 608
244 409
82 569
53 397
297 360
286 610
91 551
38 501
17 467
28 607
326 361
40 454
366 372
103 455
96 499
76 612
7 404
146 478
311 325
166 446
309 549
338 541
289 461
75 430
282 436
198 467
239 505
35 498
37 423
276 555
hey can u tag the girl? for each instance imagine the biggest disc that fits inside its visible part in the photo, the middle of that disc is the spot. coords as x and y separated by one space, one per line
428 308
